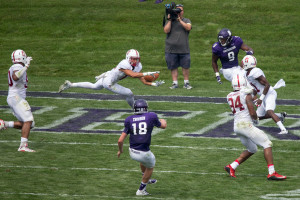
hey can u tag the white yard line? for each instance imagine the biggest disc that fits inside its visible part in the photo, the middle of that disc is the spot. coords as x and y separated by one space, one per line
76 195
159 146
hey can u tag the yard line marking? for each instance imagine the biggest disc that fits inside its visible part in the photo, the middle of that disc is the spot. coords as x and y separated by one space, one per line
160 146
131 170
76 195
283 196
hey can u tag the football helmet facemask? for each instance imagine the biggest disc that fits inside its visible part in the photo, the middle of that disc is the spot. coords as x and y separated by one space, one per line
133 57
18 56
225 37
238 81
140 106
248 62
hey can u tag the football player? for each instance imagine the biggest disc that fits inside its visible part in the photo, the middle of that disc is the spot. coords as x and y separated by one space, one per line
139 126
267 101
245 117
227 49
18 81
130 66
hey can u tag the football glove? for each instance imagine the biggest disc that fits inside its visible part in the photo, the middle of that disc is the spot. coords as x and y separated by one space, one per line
150 73
249 53
219 79
157 83
255 121
257 103
28 59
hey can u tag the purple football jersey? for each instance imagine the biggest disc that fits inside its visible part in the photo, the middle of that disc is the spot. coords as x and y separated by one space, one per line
228 54
140 128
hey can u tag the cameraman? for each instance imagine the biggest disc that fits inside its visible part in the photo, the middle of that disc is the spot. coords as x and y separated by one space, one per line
177 51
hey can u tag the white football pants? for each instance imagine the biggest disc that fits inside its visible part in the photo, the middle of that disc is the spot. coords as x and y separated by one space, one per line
251 136
106 83
20 108
147 158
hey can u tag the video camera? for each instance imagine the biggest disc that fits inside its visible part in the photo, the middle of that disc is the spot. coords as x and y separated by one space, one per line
172 10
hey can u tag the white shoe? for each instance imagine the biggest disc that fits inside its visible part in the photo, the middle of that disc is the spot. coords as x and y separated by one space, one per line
2 125
152 181
24 148
283 132
64 86
142 193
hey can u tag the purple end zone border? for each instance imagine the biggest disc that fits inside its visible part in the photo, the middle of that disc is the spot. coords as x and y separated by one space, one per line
191 99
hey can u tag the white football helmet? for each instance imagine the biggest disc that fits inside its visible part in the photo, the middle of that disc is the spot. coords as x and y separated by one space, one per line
18 56
133 54
248 62
238 81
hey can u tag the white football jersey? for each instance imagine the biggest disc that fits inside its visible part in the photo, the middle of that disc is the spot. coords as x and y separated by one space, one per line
115 74
252 76
18 87
237 103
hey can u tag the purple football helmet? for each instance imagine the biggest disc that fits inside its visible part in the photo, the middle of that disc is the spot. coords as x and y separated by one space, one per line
140 106
225 37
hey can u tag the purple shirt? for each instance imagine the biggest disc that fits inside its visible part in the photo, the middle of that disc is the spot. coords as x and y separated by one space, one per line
140 128
228 54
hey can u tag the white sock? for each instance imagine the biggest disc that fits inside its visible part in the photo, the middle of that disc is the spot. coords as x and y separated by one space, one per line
175 82
235 164
186 81
271 169
280 125
24 139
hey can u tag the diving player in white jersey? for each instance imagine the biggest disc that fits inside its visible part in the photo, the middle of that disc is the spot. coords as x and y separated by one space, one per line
131 66
267 100
17 81
245 117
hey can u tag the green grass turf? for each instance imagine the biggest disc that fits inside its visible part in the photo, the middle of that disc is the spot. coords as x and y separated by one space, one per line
78 40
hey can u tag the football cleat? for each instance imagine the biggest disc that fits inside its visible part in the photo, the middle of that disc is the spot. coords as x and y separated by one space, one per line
174 86
282 116
64 86
283 132
276 176
24 148
152 181
2 125
230 171
187 86
142 193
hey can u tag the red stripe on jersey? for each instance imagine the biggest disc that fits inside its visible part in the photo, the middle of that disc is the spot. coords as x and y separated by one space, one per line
14 56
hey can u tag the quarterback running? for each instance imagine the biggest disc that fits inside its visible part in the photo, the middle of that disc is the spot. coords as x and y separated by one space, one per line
131 66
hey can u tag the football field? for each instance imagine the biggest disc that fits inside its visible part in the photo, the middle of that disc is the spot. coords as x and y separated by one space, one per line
77 131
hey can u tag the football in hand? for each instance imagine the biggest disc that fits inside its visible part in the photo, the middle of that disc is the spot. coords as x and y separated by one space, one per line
151 78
